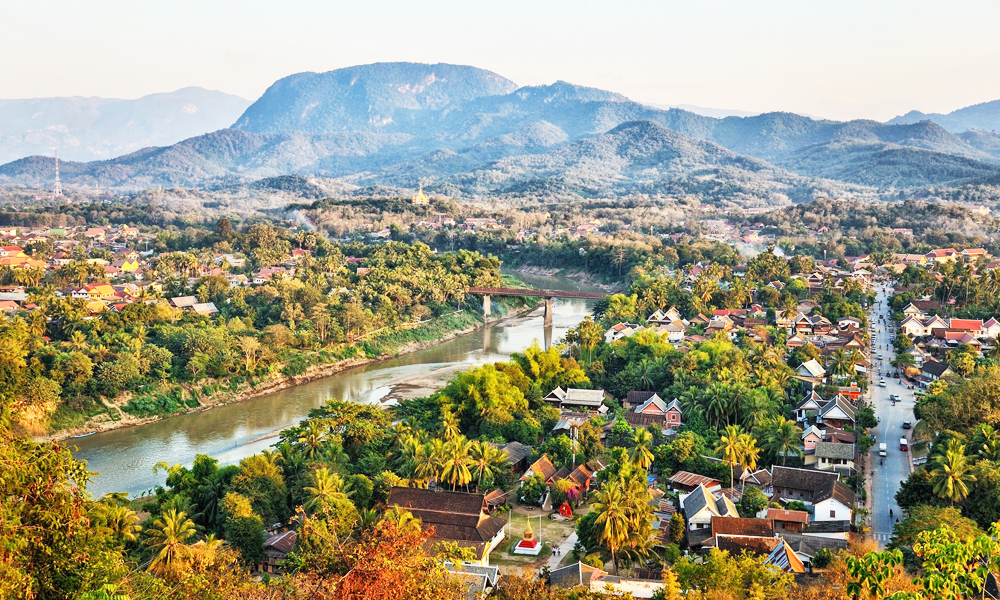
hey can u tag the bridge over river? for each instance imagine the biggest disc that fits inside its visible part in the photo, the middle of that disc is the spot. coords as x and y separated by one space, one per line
486 293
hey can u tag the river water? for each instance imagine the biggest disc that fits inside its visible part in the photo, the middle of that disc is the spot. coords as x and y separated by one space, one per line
123 458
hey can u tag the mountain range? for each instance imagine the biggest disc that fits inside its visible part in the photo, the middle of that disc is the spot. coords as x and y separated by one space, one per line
470 132
102 128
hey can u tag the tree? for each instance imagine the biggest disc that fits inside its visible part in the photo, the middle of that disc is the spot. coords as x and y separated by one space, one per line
455 466
244 529
677 528
487 462
928 518
326 487
731 447
782 437
167 538
752 502
950 474
613 521
641 456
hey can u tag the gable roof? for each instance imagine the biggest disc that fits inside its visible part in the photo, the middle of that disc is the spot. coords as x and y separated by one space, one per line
453 515
835 450
813 367
653 400
282 542
543 466
688 479
515 451
935 368
838 402
741 526
806 480
574 575
785 559
787 516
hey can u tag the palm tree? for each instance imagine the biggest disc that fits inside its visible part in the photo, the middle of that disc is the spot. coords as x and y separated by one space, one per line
168 537
455 467
641 456
950 475
312 440
327 486
449 425
120 520
427 460
612 518
840 362
782 438
487 461
730 445
403 519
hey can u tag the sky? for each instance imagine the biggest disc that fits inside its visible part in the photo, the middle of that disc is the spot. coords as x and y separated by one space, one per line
835 59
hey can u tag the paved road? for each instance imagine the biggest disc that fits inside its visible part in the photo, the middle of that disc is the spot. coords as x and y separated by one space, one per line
896 467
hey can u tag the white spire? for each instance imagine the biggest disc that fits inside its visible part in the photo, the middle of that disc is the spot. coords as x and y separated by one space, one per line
57 189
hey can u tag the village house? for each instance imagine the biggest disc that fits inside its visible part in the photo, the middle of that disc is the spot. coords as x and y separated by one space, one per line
276 548
577 398
701 505
455 517
831 500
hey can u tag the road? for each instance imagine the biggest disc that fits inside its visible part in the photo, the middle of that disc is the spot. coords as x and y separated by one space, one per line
896 467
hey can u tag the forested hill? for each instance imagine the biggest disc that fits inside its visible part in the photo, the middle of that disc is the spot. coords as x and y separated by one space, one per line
470 131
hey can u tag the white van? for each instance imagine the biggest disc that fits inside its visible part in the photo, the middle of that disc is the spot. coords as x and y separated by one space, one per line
883 449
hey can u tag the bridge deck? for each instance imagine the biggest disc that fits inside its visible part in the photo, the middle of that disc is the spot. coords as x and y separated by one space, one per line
482 291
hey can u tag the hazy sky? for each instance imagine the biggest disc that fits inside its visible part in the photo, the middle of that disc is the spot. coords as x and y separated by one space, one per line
835 58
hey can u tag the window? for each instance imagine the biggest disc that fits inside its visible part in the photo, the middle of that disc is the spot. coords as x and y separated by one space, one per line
833 514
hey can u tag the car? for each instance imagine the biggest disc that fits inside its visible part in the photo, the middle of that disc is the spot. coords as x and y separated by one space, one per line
879 357
882 449
894 397
881 382
907 424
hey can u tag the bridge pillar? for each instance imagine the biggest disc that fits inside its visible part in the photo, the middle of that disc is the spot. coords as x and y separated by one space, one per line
548 312
486 305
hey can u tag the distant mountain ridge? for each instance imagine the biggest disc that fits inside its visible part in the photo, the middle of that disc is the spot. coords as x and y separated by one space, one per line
984 117
102 128
470 132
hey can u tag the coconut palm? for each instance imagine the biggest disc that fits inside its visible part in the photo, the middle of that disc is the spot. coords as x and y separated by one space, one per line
731 447
403 519
168 537
641 455
449 425
455 466
327 487
950 475
312 440
486 461
782 438
613 521
120 520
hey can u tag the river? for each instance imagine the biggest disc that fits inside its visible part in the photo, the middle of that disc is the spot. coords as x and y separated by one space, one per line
123 458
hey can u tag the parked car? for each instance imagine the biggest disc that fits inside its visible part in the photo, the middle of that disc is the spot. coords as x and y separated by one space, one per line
883 449
907 425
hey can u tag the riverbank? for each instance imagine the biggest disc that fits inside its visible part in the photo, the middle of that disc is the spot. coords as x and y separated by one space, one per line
273 384
576 275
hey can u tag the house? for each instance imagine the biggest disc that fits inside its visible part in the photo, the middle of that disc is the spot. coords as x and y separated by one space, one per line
809 405
831 499
838 412
760 479
579 576
991 328
776 551
973 326
810 437
478 580
933 370
974 254
588 399
685 482
276 548
787 520
517 455
834 456
701 505
742 526
812 368
205 308
543 466
943 255
455 517
621 331
183 301
654 405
